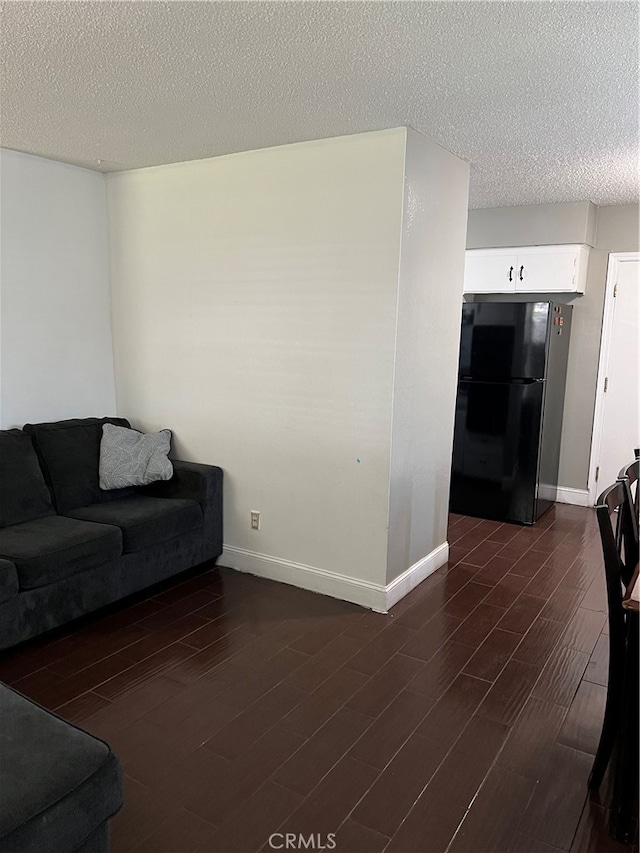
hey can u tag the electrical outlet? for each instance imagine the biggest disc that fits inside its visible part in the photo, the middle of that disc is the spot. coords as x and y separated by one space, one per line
255 520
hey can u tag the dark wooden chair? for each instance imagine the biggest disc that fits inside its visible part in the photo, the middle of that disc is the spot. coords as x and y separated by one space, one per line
622 701
609 511
631 512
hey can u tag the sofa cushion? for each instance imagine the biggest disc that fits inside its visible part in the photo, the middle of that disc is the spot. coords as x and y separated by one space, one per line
144 521
132 458
69 453
23 492
48 549
8 580
58 783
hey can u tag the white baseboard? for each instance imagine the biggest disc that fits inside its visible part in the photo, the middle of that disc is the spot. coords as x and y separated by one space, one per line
577 497
565 495
415 574
371 595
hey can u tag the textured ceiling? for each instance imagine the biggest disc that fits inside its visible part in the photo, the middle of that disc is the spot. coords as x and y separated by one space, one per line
540 97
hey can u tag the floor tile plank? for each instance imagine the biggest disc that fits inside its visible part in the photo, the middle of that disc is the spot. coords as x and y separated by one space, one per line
490 824
555 808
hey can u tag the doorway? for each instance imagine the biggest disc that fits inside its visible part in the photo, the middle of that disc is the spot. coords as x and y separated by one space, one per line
616 429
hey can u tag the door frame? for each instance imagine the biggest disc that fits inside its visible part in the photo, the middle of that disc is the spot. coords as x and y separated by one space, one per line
613 267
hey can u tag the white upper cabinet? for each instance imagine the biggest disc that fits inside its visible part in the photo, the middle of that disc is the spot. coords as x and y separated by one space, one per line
527 269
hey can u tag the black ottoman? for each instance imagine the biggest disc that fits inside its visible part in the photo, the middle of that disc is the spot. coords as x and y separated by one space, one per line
58 785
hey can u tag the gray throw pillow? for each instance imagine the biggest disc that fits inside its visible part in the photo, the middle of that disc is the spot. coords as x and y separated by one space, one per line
132 458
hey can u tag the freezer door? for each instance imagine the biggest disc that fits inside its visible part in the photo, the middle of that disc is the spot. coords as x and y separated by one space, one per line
504 340
495 450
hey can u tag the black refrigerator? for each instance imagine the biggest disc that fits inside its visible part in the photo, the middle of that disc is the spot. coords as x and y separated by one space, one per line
511 382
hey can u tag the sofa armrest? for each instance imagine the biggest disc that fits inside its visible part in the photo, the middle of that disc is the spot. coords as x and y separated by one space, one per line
201 483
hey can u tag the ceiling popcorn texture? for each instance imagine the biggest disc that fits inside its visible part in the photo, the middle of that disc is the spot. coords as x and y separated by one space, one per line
540 97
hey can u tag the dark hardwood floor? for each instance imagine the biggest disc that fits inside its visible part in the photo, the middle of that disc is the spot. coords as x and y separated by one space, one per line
464 720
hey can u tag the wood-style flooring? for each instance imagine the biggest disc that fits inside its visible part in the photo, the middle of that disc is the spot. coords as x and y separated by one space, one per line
464 720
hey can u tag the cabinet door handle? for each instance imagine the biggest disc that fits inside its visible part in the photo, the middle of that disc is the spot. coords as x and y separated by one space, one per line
510 273
521 271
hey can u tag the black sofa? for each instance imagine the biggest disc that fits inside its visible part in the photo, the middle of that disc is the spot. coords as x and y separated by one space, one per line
58 785
67 547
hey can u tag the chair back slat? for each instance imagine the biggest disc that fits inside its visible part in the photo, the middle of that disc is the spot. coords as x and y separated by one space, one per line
609 512
630 511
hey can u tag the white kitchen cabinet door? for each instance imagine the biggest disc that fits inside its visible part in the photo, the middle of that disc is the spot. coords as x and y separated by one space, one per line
549 270
490 271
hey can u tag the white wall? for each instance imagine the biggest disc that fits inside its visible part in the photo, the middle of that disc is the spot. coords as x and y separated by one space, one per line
428 335
254 308
56 357
532 225
254 313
